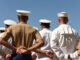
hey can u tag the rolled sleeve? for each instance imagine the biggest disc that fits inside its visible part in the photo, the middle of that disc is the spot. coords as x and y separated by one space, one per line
74 55
7 34
37 36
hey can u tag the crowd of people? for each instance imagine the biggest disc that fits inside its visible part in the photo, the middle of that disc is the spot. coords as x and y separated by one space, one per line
24 42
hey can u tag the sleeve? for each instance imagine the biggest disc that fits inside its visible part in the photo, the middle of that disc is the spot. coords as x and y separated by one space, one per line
7 34
37 36
55 46
75 54
78 45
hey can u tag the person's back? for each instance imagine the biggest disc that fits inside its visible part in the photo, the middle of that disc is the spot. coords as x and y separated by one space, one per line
67 38
45 34
64 39
23 34
22 38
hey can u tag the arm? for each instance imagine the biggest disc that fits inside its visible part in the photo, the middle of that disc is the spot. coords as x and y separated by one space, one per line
3 42
77 52
5 37
39 42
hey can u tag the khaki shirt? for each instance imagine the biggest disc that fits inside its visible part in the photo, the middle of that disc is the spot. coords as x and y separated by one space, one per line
22 34
78 45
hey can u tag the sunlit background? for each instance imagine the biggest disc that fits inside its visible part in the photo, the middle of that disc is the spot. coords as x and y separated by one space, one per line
41 9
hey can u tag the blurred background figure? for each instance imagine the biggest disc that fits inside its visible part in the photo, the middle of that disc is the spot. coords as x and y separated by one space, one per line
2 29
64 39
45 34
4 50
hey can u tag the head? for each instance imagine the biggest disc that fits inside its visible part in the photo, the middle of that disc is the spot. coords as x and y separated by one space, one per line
63 17
63 20
45 25
23 18
7 26
9 23
23 15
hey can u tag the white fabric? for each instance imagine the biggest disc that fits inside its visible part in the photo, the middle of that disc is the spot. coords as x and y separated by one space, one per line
45 21
23 12
45 58
63 14
46 34
9 22
5 49
63 42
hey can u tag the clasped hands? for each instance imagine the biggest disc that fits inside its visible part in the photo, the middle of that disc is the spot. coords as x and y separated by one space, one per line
49 54
21 50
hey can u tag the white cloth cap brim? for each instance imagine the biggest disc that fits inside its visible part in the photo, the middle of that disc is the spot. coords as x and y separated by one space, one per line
63 14
23 12
45 21
9 22
2 28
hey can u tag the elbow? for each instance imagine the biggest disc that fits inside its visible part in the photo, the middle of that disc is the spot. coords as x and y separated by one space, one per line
1 40
42 43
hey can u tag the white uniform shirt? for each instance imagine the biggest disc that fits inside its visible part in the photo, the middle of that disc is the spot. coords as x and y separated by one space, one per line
5 49
45 34
63 42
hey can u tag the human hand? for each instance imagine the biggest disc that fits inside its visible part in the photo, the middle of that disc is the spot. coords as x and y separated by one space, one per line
69 58
20 50
50 54
34 56
8 56
78 52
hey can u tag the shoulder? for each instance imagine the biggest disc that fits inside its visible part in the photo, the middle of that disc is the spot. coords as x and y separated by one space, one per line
1 34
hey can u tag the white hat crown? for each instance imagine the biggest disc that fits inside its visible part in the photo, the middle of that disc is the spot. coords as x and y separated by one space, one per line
9 22
23 12
45 21
63 14
2 28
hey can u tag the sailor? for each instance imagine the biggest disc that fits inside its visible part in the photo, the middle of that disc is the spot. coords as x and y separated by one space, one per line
2 29
22 38
4 50
64 39
45 34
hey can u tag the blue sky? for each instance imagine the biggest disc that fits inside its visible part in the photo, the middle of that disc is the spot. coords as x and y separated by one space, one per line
41 9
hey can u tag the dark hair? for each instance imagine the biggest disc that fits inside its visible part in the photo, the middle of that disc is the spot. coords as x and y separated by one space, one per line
24 18
7 25
64 19
47 25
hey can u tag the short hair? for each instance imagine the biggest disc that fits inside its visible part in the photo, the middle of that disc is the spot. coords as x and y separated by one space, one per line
7 25
47 25
23 17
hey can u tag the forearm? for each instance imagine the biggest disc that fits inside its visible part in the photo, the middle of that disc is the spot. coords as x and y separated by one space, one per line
3 42
34 47
40 51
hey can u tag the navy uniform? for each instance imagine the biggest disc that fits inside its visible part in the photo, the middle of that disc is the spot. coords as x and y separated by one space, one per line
63 41
4 49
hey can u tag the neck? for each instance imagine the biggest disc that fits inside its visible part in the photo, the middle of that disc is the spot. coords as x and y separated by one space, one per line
44 28
22 21
62 23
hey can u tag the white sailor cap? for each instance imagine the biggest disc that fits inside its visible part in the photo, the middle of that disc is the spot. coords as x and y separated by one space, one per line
2 28
63 14
23 12
35 28
45 21
9 22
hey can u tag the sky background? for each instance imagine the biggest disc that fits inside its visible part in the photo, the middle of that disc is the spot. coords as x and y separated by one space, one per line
41 9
